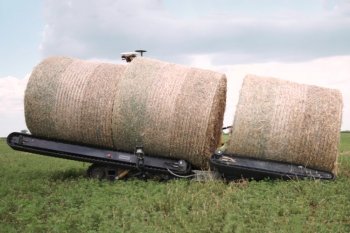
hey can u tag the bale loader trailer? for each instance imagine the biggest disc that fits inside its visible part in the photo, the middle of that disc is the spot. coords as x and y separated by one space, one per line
114 165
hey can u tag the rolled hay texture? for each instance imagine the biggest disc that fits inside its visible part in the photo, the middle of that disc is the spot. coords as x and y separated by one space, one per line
285 121
72 100
172 110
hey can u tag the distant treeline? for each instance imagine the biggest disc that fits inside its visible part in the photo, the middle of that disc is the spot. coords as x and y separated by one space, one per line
345 131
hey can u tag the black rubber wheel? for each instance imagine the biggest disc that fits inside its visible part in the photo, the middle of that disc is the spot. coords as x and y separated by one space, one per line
97 171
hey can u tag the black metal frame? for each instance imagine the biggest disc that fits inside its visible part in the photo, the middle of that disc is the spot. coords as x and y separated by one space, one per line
96 155
233 166
230 166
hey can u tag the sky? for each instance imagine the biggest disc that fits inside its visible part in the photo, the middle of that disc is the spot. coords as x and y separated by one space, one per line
296 40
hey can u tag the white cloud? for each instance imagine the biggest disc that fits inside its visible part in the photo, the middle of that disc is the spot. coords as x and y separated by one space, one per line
12 94
105 28
11 104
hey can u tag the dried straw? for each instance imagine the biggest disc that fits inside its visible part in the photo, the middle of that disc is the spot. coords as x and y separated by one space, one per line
171 110
71 100
40 95
290 122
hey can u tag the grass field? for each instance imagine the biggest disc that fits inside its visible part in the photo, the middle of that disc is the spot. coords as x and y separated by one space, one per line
345 143
42 194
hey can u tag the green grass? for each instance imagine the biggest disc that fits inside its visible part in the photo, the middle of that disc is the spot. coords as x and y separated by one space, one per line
42 194
345 142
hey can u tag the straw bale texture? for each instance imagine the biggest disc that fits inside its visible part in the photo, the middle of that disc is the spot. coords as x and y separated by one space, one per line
40 95
172 110
71 100
285 121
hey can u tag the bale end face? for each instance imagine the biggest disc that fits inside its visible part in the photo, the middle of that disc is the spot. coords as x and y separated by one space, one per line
286 121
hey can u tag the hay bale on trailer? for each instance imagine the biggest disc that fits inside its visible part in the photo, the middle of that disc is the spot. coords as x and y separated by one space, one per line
285 121
41 93
71 100
172 110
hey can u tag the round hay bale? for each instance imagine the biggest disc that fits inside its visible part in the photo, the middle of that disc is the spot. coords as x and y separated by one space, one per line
285 121
41 93
71 100
172 110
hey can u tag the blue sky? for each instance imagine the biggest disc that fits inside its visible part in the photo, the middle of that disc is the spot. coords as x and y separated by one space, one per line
297 40
21 24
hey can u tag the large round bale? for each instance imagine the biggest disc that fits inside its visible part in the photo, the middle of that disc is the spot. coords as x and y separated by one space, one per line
72 100
172 110
285 121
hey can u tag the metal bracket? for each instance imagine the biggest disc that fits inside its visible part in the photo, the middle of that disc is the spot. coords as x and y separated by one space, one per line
140 163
